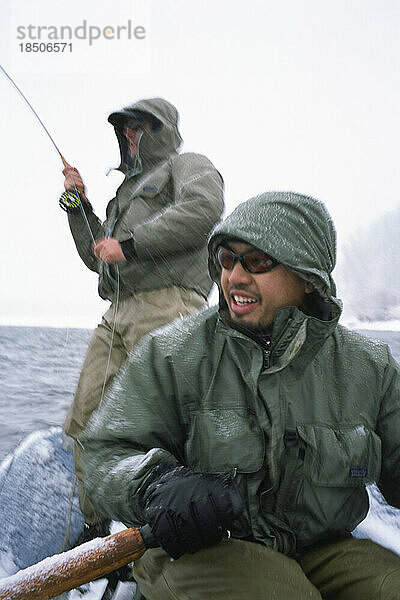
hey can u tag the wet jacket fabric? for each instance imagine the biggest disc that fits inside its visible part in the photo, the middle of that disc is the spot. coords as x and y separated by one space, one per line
304 425
168 202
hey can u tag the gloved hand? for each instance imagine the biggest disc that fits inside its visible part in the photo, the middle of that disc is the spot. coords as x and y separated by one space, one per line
188 511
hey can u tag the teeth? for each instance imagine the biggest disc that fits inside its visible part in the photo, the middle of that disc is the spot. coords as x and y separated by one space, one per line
243 300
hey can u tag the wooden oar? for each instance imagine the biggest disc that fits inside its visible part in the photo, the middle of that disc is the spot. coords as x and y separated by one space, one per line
63 572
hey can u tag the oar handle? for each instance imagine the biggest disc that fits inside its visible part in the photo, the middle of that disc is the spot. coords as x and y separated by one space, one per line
63 572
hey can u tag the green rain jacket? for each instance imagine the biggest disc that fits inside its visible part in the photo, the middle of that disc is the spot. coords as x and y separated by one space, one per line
168 203
304 425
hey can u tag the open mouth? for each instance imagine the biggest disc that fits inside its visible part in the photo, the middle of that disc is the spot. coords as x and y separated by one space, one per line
242 304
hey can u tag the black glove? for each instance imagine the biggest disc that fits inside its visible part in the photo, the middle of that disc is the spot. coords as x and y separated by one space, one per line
188 511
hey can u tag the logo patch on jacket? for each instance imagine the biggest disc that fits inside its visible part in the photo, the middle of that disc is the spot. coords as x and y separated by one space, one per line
150 188
358 471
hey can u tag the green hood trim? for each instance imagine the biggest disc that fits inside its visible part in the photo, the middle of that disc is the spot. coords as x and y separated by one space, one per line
297 230
155 145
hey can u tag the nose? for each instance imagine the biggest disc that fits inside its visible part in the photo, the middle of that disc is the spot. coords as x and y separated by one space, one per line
130 134
238 274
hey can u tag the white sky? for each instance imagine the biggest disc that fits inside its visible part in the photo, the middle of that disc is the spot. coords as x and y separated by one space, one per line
297 94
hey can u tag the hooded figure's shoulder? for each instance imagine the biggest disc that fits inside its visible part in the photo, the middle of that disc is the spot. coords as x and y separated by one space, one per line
193 163
362 348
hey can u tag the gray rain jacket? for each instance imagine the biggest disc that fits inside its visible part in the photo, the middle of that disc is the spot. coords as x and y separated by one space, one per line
304 424
169 208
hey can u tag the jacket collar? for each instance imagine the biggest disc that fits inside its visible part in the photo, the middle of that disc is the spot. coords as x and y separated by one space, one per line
296 336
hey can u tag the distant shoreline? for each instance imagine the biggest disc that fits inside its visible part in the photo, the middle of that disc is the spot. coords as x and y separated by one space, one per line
389 325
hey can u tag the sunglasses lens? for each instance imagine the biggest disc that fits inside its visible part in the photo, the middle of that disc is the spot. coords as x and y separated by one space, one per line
133 124
254 261
258 262
225 258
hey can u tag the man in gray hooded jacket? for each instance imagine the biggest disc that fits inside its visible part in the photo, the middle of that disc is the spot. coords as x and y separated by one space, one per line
150 252
262 416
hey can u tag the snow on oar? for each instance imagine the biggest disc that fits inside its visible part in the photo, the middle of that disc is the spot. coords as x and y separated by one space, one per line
63 572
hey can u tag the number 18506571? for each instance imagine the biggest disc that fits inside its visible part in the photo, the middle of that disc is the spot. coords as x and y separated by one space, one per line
46 47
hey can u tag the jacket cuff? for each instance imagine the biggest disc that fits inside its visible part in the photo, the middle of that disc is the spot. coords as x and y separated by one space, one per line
128 249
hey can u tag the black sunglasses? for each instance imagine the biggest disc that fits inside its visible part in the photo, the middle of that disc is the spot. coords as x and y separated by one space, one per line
138 121
133 124
252 261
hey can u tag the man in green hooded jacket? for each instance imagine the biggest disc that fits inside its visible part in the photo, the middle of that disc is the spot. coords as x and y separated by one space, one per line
151 251
262 416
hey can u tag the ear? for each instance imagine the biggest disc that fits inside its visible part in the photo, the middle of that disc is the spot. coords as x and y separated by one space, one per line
308 288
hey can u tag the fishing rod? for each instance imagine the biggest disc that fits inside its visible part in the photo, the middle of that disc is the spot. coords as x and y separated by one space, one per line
75 200
68 200
10 79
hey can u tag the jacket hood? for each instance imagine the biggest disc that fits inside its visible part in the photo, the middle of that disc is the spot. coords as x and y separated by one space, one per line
155 145
297 230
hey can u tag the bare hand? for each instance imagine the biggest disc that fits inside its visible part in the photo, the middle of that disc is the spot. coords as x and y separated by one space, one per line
108 250
72 179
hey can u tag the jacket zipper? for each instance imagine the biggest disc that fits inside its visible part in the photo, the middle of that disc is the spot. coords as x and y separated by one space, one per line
267 355
267 349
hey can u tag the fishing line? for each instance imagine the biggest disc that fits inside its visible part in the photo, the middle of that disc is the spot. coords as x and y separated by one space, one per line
66 164
33 110
112 337
85 217
69 517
